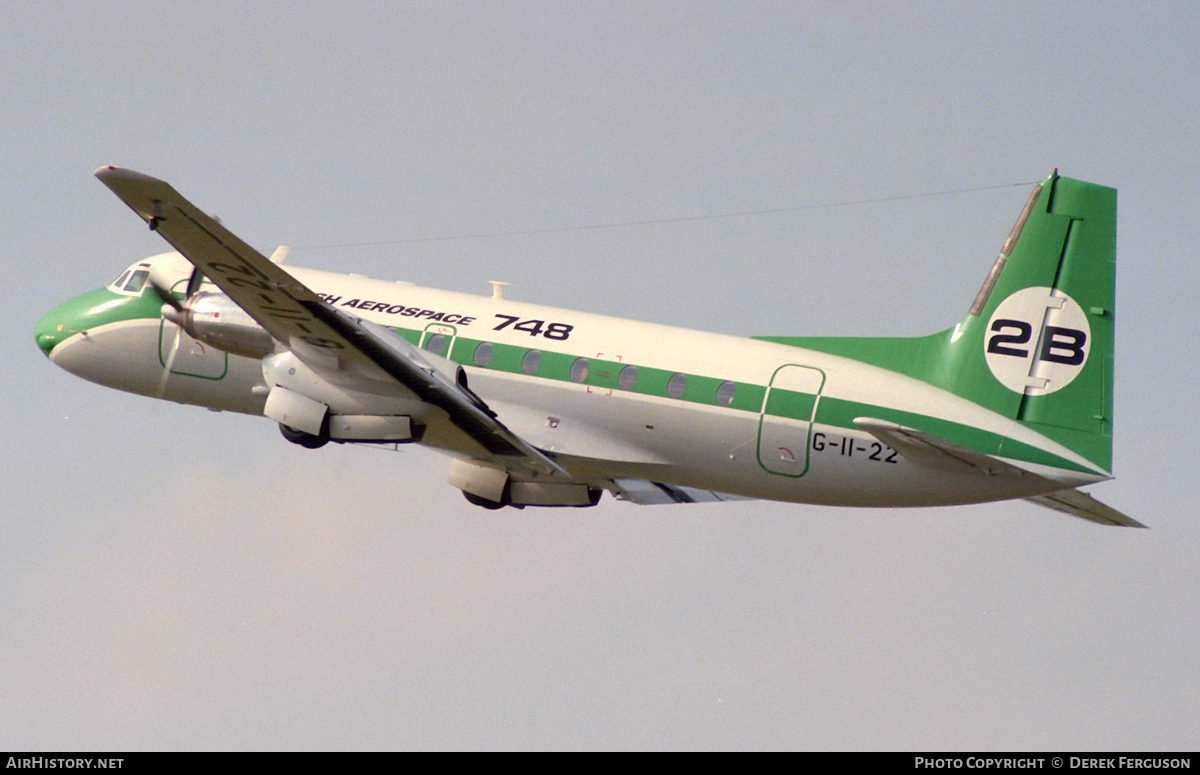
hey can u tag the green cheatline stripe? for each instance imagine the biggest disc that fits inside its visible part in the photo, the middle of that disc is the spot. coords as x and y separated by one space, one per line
90 310
603 374
788 403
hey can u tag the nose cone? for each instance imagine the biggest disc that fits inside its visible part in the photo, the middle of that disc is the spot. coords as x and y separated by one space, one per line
52 328
105 337
88 312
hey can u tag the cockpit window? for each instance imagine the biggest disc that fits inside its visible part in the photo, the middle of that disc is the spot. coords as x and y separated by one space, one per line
136 281
133 279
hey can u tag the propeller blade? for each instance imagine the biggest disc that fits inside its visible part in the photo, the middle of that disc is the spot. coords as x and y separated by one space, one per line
194 282
166 296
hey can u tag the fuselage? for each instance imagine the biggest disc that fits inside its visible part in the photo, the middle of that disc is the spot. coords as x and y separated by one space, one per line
609 398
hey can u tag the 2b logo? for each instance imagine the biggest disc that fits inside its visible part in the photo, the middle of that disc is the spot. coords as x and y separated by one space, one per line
1037 341
1059 345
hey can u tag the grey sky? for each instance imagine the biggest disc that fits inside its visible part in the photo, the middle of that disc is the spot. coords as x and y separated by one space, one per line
175 578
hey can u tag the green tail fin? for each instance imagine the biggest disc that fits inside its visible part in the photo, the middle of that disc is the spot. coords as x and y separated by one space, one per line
1037 343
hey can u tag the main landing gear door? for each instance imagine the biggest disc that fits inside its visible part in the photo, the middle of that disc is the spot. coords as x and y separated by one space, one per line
785 425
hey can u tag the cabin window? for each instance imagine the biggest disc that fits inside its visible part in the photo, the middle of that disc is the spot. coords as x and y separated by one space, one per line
628 378
725 392
436 344
531 362
483 354
579 370
676 385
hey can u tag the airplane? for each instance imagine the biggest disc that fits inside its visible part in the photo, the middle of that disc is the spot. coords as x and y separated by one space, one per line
542 406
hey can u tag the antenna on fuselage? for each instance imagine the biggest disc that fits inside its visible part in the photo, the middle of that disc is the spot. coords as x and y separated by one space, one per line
498 287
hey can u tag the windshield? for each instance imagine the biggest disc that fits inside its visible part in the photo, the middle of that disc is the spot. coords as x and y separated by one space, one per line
132 280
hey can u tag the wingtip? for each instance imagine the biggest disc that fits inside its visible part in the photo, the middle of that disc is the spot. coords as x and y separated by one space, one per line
110 173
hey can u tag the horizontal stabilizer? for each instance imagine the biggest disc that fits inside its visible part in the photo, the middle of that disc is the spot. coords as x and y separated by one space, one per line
928 450
925 449
1080 504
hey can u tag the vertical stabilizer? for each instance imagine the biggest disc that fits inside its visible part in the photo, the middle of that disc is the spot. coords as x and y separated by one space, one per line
1037 343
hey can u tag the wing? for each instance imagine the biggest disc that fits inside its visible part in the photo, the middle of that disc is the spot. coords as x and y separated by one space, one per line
929 450
347 349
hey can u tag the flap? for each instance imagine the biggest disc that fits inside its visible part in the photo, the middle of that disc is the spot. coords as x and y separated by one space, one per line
647 493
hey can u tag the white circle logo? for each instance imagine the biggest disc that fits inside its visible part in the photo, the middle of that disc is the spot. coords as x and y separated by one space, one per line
1037 341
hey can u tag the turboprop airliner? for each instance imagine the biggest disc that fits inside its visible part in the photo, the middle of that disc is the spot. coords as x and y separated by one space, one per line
541 406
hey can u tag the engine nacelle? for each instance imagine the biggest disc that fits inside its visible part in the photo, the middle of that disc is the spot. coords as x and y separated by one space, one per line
310 423
214 319
492 487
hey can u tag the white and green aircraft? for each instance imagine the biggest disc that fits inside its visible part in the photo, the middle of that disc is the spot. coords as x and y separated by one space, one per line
539 406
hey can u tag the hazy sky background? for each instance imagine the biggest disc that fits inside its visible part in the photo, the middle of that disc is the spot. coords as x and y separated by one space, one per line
175 578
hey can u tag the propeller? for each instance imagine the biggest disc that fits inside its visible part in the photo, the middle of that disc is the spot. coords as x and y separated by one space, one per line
168 299
173 311
165 295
